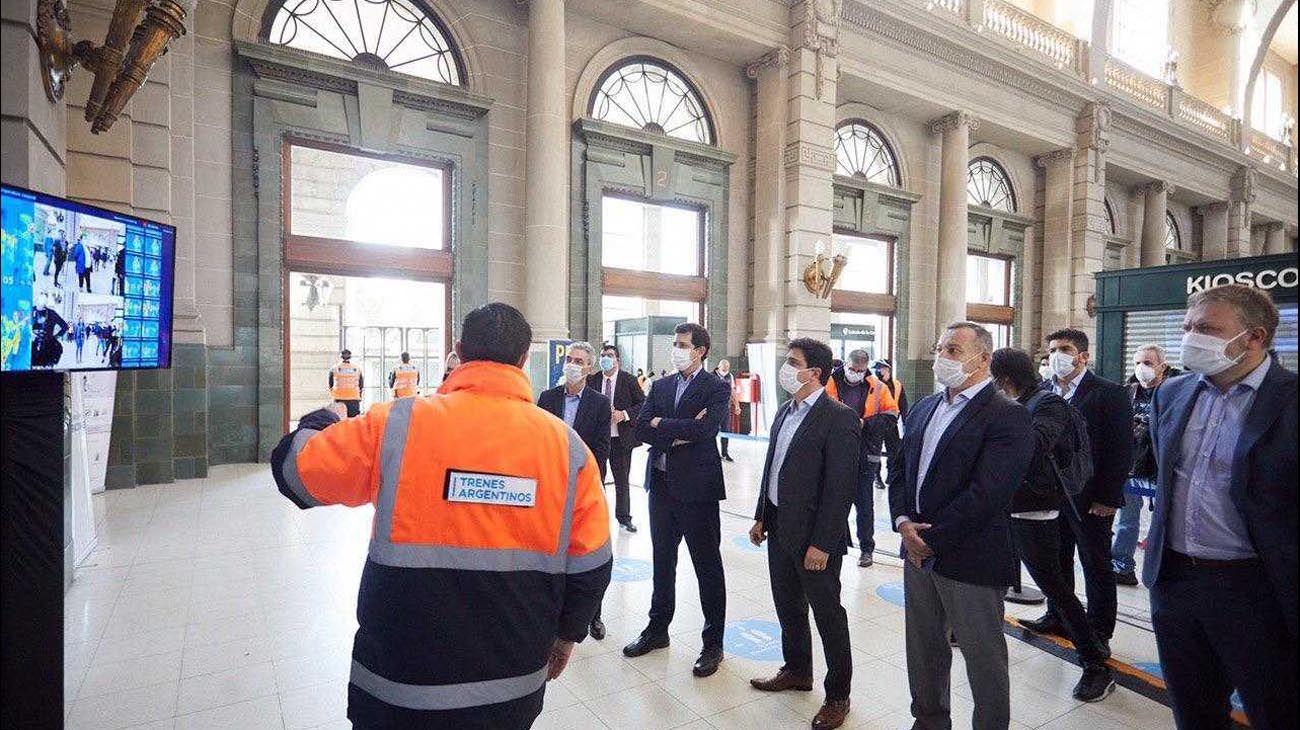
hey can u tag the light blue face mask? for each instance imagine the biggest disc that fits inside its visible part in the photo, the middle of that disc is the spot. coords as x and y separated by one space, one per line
606 362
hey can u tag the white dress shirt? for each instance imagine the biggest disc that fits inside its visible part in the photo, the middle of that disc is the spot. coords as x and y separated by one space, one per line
944 414
1068 391
793 418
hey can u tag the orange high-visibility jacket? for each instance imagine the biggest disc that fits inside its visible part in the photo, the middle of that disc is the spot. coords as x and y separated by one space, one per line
345 382
404 379
879 399
490 540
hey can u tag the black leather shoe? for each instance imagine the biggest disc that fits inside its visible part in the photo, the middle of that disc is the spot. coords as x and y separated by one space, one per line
645 644
597 629
1048 623
708 662
1127 578
627 525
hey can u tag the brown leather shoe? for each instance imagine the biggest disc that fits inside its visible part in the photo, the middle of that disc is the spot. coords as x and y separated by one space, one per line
831 715
783 680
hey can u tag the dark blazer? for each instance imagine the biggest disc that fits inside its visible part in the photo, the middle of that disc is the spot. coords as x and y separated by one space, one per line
628 396
591 421
818 477
694 468
980 461
1106 408
1263 486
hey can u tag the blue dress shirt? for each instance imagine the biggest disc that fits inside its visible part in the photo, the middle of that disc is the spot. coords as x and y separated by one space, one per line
1203 521
571 407
944 414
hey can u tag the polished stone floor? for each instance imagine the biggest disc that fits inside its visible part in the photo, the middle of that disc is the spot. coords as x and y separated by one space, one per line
215 603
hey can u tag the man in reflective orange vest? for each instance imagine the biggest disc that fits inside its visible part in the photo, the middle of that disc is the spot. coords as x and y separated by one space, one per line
853 385
405 378
346 383
490 548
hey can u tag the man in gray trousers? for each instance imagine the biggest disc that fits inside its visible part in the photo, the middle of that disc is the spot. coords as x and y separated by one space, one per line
965 451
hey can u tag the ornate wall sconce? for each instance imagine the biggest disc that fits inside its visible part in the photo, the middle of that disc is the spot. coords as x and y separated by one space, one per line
121 65
817 280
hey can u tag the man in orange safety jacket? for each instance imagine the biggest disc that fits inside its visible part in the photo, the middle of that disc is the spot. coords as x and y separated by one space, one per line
346 384
854 386
490 549
404 378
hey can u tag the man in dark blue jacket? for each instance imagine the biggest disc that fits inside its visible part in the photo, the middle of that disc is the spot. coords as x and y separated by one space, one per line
965 451
587 412
1106 408
1221 556
680 421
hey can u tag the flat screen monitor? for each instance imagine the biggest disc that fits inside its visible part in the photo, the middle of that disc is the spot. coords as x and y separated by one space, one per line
82 287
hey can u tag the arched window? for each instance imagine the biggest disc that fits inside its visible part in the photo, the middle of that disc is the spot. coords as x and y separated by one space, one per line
395 35
1110 218
862 152
1173 237
987 185
648 94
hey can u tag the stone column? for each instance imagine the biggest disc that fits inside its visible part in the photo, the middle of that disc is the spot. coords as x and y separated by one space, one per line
1153 222
1057 258
1088 228
546 209
1241 194
769 281
1275 239
955 157
1214 231
809 160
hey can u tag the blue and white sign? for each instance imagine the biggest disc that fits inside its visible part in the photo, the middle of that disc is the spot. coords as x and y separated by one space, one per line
891 593
754 639
478 488
631 570
742 542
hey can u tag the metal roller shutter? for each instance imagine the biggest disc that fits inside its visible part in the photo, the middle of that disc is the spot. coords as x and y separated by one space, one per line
1165 328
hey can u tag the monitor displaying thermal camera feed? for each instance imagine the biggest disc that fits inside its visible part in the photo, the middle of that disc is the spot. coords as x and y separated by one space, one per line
82 287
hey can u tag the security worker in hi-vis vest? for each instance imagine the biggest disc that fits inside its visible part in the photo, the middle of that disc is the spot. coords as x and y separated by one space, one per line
404 378
490 550
346 384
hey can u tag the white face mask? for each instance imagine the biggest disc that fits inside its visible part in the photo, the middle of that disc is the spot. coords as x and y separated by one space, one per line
1207 354
853 377
1045 372
681 358
951 373
574 372
1062 364
1145 374
789 377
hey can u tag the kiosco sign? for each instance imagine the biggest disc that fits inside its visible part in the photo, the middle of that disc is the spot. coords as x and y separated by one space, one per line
1287 278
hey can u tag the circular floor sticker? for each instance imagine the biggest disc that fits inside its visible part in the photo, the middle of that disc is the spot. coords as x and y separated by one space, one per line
754 639
742 542
630 570
1154 669
891 592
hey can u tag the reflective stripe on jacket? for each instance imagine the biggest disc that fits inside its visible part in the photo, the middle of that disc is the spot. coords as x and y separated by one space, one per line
490 540
346 382
405 377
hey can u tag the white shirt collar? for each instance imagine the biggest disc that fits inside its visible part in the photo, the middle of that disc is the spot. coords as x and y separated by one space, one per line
971 392
1253 380
809 401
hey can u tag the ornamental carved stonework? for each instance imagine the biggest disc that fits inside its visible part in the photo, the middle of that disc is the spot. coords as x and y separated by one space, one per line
954 120
821 23
1243 185
775 58
806 153
1046 159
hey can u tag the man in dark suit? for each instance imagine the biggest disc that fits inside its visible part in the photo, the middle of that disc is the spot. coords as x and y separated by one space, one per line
626 397
1221 557
585 411
680 420
965 451
1106 408
803 506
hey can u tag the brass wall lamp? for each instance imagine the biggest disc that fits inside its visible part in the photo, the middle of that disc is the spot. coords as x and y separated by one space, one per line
817 280
121 65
